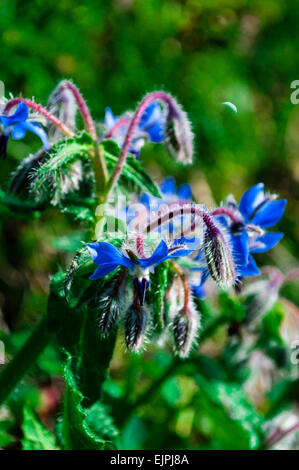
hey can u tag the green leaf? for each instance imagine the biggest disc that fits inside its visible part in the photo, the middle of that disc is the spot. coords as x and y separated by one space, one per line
36 435
53 179
79 212
65 152
94 352
101 423
234 422
76 431
132 170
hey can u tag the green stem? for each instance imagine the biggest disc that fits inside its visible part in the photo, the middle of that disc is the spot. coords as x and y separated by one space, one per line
25 358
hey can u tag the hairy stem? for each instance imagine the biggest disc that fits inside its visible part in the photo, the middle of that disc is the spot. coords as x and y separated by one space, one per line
101 172
147 100
178 270
83 108
40 109
228 212
182 211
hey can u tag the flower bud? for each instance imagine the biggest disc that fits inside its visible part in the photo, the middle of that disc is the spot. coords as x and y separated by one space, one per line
185 328
178 135
108 313
219 257
135 327
62 104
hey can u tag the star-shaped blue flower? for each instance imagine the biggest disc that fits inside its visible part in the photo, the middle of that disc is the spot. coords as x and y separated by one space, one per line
262 211
150 126
107 257
17 125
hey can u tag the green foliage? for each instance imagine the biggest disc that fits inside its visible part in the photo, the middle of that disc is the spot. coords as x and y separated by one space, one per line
95 353
36 435
58 181
84 429
235 423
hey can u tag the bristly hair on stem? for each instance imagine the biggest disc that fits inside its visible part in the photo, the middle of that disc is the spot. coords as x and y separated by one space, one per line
101 171
179 141
217 249
39 109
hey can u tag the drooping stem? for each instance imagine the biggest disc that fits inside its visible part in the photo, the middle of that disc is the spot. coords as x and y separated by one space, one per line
182 211
102 175
236 220
228 212
147 100
83 108
41 110
178 270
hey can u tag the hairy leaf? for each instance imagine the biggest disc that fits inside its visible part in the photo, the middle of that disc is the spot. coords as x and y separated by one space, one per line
65 177
77 433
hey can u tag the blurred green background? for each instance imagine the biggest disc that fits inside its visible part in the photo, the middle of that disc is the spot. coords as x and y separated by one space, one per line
202 51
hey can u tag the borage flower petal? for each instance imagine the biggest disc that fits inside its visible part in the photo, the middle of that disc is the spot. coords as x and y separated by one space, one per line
266 242
269 214
251 199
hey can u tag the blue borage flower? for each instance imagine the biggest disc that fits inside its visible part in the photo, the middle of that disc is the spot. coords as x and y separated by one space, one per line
150 126
17 125
107 257
257 211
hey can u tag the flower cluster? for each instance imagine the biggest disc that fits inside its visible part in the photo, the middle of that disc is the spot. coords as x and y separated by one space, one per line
174 245
221 248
